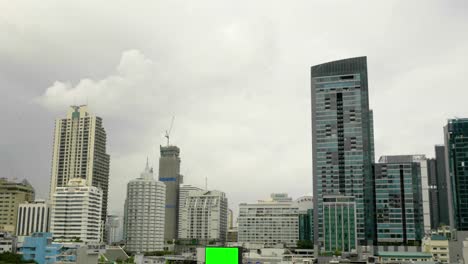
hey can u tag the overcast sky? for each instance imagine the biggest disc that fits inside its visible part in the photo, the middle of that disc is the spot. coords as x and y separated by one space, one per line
236 74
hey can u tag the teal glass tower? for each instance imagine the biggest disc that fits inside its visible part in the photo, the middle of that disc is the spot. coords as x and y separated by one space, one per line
342 145
456 153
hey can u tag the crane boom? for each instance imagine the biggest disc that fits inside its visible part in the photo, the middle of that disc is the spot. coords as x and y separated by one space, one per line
168 132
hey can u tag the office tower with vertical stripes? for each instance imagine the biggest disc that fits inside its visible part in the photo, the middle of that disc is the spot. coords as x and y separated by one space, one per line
33 217
342 145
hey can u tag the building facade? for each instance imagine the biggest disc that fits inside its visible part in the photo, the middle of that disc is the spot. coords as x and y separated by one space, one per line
438 246
270 222
169 173
438 189
144 213
184 191
33 217
339 219
7 242
398 200
80 152
76 212
456 157
204 217
12 194
306 218
342 143
40 248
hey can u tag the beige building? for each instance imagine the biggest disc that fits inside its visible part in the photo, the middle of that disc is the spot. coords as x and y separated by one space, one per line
438 246
11 195
80 152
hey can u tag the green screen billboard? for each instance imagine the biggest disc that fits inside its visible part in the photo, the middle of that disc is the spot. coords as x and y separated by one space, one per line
223 255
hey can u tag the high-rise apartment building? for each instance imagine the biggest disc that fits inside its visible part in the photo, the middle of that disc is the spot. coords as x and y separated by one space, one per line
456 157
439 200
269 222
184 191
339 220
204 217
80 152
399 200
169 173
306 217
33 217
12 194
76 212
342 143
144 213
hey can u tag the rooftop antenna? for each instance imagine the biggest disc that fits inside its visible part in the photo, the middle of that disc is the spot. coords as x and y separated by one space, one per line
168 132
206 183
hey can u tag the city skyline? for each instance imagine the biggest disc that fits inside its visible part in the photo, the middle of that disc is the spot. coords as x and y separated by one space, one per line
269 83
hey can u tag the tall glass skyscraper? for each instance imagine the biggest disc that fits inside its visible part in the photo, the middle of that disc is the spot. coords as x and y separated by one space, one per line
456 153
342 143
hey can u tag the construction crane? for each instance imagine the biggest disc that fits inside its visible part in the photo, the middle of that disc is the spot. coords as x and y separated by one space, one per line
168 132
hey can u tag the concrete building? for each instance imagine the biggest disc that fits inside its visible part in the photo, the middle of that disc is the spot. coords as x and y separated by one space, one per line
339 219
76 212
399 200
204 217
438 190
184 191
232 235
438 246
456 169
40 248
342 143
269 222
33 217
7 243
144 213
79 151
404 257
11 195
169 173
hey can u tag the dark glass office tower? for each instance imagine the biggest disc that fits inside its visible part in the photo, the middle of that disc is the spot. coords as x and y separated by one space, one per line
456 154
342 143
438 189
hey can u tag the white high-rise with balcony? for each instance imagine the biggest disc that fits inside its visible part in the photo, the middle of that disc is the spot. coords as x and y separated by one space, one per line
145 213
76 212
204 216
269 222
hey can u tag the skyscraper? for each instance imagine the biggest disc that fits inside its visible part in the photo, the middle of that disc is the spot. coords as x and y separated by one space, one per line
456 158
399 200
438 191
80 152
342 143
169 173
144 213
184 191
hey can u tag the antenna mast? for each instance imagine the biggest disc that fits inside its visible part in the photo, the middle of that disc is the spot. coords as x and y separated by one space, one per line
168 132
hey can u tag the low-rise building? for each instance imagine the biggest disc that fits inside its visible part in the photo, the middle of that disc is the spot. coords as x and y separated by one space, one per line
7 242
438 246
392 257
40 248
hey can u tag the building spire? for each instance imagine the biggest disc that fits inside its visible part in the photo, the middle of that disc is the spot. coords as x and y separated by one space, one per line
147 164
